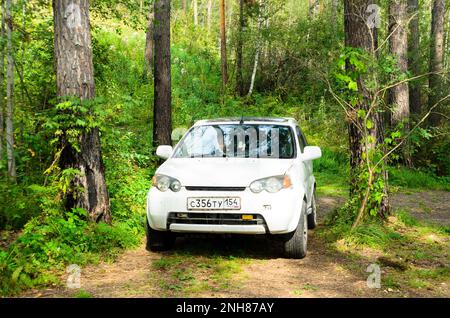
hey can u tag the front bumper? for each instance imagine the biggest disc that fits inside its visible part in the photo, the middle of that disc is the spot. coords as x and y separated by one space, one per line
280 211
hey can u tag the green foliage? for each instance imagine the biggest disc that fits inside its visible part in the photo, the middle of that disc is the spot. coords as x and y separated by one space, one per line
50 242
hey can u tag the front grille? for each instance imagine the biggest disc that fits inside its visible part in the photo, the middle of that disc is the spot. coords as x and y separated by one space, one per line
202 188
213 218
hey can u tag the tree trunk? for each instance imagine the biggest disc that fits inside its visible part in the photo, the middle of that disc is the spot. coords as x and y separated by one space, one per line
195 5
258 47
358 35
162 110
414 57
239 48
10 95
436 59
184 6
334 13
223 45
313 7
75 79
399 49
2 81
398 41
149 46
209 14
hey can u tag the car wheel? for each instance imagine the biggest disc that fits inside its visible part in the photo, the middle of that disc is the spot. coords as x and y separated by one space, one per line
158 240
312 217
296 243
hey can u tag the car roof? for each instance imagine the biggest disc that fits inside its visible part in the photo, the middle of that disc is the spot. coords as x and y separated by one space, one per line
277 120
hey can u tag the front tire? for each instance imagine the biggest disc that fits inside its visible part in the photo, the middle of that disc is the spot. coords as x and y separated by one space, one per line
296 243
158 241
312 217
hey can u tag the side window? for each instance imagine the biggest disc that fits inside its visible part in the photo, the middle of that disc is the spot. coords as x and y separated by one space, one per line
301 138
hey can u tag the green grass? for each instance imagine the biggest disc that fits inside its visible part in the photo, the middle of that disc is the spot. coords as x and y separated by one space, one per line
83 294
417 179
412 253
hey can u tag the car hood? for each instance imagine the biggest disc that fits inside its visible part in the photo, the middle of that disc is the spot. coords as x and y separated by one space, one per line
222 172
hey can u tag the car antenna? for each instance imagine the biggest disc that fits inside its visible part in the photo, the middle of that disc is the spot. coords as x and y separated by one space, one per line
241 122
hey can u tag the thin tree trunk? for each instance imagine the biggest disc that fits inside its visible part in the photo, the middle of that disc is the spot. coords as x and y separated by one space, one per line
10 95
209 14
162 110
399 48
223 45
414 56
149 45
239 48
358 35
334 13
184 6
75 79
2 81
195 5
313 7
258 47
436 59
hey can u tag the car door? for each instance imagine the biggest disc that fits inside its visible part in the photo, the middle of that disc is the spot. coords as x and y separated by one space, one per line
306 166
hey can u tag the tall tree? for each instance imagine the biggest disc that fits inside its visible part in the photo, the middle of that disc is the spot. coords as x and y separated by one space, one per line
363 138
149 45
239 49
398 30
162 109
258 46
334 13
223 45
209 14
436 65
414 56
2 79
10 94
75 79
184 5
195 7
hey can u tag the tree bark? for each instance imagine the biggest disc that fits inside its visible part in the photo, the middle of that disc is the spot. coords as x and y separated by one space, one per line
358 35
436 59
399 49
2 81
334 12
223 45
258 47
209 14
414 57
184 6
149 45
75 79
10 95
195 5
239 49
162 110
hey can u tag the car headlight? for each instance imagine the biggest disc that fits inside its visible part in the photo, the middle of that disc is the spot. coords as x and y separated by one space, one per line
164 183
271 184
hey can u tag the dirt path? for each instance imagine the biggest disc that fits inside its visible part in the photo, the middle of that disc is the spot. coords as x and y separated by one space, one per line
238 267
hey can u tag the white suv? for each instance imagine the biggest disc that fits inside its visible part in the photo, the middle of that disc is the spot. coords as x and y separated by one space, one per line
235 176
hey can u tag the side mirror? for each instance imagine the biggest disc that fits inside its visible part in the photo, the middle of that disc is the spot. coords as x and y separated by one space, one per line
311 153
164 152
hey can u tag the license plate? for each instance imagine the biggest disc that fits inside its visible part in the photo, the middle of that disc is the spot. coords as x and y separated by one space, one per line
226 203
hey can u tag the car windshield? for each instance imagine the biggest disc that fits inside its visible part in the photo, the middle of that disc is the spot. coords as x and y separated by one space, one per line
236 140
